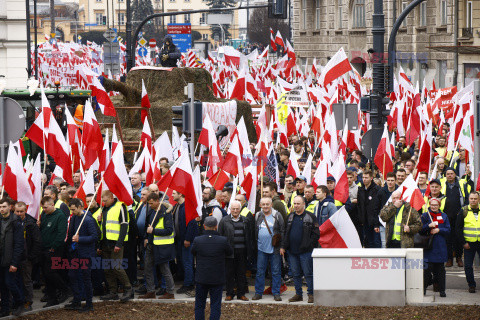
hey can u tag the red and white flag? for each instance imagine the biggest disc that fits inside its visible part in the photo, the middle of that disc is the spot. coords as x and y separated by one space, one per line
116 177
86 187
145 103
103 100
335 68
383 156
14 179
272 41
339 232
279 39
35 181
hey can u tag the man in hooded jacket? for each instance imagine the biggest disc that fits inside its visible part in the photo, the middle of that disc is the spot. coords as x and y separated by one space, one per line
169 53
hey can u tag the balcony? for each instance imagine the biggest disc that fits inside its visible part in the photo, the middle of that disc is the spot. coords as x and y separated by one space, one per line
467 33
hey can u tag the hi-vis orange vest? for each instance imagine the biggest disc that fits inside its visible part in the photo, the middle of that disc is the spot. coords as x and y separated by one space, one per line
78 116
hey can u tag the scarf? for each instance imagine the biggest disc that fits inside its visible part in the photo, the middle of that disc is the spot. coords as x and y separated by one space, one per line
436 217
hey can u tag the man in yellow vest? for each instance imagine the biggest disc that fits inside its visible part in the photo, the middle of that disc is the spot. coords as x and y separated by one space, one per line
402 222
245 212
468 233
435 187
114 226
159 247
310 200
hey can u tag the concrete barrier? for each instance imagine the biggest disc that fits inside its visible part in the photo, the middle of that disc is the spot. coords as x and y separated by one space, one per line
367 277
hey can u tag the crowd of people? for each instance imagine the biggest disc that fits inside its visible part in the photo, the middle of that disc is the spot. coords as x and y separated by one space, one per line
74 252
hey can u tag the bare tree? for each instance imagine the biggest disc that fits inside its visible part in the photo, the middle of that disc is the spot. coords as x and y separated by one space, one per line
260 24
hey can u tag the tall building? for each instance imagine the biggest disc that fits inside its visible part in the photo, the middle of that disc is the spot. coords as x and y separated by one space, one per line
439 40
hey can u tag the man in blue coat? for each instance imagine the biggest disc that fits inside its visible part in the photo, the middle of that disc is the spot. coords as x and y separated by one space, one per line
210 250
82 249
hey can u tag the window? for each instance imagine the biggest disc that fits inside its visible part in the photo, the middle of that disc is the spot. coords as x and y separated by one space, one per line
469 14
99 0
317 14
423 14
121 18
404 6
172 0
304 14
339 13
203 18
205 36
120 0
173 19
443 12
186 18
99 18
186 0
441 73
359 14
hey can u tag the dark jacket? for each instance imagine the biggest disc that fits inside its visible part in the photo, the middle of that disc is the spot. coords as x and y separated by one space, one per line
310 234
12 242
278 205
459 225
388 215
33 240
438 253
179 222
87 236
172 52
123 226
53 229
192 231
383 195
367 205
226 229
162 253
278 227
210 250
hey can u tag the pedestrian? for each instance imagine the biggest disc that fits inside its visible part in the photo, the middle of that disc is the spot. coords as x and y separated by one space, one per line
269 225
436 224
301 237
325 207
368 210
210 250
240 235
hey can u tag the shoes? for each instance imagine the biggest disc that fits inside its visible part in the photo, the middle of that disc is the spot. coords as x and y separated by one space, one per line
19 310
73 306
443 294
310 298
268 290
127 295
184 289
471 289
460 262
228 298
277 298
295 298
449 263
86 308
44 298
161 291
191 293
283 288
141 290
28 306
243 298
51 303
148 295
110 296
436 288
167 296
257 297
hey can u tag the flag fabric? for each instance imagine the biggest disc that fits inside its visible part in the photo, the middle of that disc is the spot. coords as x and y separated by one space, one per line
335 68
86 187
103 100
339 232
116 177
14 178
145 103
383 156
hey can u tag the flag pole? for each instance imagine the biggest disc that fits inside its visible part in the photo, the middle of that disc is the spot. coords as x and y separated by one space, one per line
261 178
408 218
88 208
383 172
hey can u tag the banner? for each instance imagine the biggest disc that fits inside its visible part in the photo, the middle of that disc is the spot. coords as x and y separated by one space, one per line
221 113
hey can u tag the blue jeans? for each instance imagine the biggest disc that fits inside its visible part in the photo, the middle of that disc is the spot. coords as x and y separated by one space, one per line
275 263
372 238
81 281
187 258
301 263
201 291
382 236
11 283
469 255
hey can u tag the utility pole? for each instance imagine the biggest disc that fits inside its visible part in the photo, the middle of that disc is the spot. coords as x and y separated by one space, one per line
29 40
476 132
191 98
128 31
35 36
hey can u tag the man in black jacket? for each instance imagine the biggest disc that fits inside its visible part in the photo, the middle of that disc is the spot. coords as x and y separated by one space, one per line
169 53
383 195
239 232
210 250
368 211
11 255
301 237
33 247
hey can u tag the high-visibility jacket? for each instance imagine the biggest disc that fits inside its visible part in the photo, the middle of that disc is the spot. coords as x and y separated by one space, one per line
58 204
78 116
245 212
427 204
471 227
112 225
162 240
464 187
311 206
286 207
99 223
338 204
442 152
397 229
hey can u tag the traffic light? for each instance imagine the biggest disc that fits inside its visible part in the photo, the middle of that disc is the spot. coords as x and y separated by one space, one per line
104 20
184 112
278 9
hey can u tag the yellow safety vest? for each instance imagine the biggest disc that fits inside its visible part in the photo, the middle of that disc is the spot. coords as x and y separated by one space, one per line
471 227
397 229
427 204
286 207
311 207
162 240
442 152
244 212
94 216
338 204
461 183
112 225
57 205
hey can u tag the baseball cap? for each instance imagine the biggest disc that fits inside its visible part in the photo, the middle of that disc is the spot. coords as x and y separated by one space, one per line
301 178
435 181
330 178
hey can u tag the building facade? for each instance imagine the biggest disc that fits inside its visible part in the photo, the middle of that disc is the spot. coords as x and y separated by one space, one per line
426 43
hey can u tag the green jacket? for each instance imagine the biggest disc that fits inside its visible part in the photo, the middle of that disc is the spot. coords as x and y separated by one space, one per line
53 229
388 214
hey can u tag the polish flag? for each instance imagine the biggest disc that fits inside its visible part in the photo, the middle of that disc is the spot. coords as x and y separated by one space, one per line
233 161
291 125
86 187
335 68
114 139
146 138
411 193
14 179
219 179
103 100
320 178
116 177
340 175
105 155
182 182
339 232
163 148
249 186
314 68
92 140
74 141
293 168
272 41
35 181
383 156
279 39
145 102
425 156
